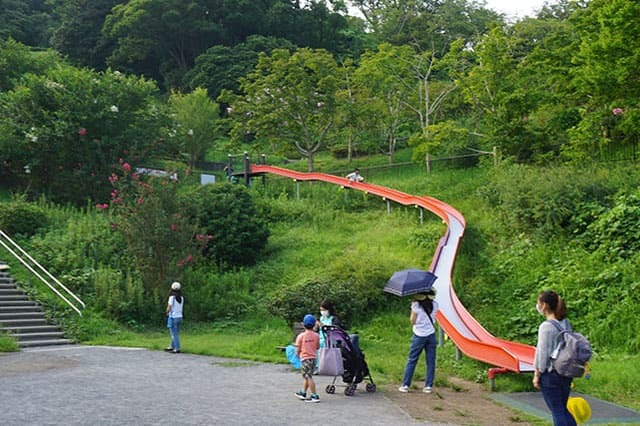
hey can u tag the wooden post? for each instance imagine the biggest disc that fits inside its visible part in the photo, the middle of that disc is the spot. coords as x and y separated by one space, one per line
428 162
495 156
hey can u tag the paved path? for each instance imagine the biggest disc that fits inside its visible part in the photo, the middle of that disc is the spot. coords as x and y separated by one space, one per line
98 385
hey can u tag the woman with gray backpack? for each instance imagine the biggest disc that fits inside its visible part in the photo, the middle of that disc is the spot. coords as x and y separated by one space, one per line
555 387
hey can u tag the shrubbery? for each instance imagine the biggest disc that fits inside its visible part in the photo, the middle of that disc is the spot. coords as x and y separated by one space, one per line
227 214
19 217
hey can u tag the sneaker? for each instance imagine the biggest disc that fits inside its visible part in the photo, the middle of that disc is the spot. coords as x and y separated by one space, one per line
301 395
168 349
175 351
314 398
404 388
427 389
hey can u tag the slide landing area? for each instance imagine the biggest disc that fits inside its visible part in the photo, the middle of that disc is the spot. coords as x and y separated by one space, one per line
461 327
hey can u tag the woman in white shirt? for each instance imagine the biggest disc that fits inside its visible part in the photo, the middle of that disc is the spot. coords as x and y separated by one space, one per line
174 311
423 312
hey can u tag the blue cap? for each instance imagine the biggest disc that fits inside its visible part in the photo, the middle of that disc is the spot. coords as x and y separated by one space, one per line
309 320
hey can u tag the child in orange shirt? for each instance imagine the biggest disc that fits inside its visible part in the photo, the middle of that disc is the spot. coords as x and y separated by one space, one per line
308 344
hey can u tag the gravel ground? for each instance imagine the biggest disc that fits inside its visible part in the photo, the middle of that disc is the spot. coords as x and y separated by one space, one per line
98 385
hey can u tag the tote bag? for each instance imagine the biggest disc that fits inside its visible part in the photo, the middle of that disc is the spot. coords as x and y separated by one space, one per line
330 362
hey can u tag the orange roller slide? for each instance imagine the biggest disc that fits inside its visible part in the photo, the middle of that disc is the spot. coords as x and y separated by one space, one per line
461 327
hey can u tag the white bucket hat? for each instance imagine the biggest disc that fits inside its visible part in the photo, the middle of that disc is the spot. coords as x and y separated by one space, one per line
175 286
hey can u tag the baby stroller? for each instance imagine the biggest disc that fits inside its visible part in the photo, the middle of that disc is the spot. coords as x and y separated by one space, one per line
355 367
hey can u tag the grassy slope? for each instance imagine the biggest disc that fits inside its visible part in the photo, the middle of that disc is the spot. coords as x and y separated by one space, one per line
301 251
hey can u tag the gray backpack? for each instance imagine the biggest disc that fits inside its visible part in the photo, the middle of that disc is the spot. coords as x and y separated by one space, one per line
572 352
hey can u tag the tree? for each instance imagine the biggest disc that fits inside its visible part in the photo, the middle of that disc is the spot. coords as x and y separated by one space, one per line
429 25
16 59
162 38
79 32
69 127
28 21
384 77
289 101
607 67
195 117
148 212
221 67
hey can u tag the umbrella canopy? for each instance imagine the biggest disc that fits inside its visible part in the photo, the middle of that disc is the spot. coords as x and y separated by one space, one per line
409 281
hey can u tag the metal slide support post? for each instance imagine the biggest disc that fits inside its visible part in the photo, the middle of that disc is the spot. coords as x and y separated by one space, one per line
492 373
247 166
388 207
421 216
263 161
297 190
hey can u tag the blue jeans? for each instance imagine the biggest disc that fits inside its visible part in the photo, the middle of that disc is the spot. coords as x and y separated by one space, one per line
555 391
418 343
175 328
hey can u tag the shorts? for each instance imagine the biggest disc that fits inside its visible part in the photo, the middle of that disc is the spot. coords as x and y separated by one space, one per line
308 367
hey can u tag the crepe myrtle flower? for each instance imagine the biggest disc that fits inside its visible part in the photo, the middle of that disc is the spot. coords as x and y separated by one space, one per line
82 131
617 111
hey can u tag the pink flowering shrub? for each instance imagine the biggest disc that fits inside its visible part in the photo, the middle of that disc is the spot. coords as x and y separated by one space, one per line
158 234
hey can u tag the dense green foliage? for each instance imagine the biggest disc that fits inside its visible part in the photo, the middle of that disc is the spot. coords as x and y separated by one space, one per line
19 217
65 129
227 214
448 78
550 94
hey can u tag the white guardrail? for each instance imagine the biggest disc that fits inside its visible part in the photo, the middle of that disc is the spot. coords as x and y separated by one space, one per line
35 265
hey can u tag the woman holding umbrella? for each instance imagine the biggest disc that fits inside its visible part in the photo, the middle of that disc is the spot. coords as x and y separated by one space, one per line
423 311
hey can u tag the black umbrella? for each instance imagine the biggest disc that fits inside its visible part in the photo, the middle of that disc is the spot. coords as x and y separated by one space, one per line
409 281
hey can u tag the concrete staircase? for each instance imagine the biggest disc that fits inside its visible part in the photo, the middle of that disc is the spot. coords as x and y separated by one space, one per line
23 318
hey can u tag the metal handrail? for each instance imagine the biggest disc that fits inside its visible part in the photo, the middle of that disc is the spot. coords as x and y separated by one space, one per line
30 268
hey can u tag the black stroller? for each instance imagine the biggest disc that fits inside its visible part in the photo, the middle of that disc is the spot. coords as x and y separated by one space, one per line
355 367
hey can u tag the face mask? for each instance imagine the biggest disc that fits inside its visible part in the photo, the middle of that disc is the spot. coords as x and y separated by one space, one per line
539 309
324 313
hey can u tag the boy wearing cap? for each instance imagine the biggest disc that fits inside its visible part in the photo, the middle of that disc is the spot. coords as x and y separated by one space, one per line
308 343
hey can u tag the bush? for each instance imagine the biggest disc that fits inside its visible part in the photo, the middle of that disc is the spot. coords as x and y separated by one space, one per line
8 343
545 200
227 214
216 296
616 232
19 217
294 302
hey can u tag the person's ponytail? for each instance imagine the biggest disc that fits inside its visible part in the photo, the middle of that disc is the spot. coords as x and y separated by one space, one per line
561 309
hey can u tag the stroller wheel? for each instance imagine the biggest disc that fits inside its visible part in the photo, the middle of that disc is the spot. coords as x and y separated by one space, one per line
350 390
371 387
330 389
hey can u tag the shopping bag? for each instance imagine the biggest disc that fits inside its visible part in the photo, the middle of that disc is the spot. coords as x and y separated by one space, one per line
293 357
330 362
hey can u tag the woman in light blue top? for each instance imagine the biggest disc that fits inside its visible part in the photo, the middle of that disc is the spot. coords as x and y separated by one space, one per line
423 312
174 311
327 317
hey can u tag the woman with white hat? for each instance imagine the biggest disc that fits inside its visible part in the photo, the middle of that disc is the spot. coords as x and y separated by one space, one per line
174 314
